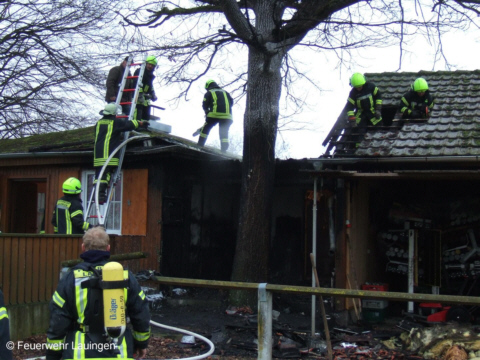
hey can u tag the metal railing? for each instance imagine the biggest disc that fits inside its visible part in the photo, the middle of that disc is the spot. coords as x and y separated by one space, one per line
265 300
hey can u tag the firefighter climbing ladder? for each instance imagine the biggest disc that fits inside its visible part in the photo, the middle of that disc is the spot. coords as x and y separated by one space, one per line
102 210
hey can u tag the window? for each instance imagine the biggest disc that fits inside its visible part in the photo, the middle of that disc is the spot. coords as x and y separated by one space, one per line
113 223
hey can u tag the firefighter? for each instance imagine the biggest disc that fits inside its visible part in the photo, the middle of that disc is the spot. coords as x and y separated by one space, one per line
147 93
114 79
217 105
418 102
108 136
5 352
68 212
364 106
77 328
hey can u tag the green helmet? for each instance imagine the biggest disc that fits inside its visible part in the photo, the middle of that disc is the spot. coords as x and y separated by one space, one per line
420 85
152 60
72 186
208 83
110 109
357 80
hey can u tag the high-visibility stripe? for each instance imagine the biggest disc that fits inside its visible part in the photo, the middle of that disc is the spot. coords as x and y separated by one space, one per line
57 299
55 345
3 313
79 348
141 336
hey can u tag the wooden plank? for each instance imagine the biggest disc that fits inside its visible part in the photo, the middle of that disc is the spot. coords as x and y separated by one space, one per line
49 269
21 269
55 262
29 256
14 272
42 272
134 201
35 270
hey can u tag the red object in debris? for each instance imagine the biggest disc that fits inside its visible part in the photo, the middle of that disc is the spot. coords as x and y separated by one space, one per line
347 224
375 287
440 312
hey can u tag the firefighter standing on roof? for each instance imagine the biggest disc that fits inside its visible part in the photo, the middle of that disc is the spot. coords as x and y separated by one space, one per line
108 136
147 93
217 105
68 212
418 102
77 328
114 79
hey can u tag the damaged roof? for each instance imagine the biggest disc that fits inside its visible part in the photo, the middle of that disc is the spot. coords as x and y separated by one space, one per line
82 140
452 130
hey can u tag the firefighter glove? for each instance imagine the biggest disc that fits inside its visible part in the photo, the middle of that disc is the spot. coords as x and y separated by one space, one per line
378 114
154 97
144 124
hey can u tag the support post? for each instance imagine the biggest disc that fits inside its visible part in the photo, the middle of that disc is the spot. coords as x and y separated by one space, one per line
411 268
314 251
264 323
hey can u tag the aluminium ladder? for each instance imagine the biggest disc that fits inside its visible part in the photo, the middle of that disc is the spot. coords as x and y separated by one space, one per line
101 212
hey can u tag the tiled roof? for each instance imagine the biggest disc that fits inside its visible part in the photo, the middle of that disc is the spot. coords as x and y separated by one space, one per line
453 128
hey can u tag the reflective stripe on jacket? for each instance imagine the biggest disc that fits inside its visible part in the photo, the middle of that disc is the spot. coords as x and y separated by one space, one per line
68 216
217 104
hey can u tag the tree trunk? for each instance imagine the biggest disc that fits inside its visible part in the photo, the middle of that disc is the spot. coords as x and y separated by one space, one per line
260 129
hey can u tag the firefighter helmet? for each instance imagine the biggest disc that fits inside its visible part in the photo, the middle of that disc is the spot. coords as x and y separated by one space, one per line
72 186
209 82
152 60
110 109
420 85
357 80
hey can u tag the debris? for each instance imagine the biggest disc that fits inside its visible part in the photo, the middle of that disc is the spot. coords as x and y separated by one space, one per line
456 353
188 339
233 310
178 291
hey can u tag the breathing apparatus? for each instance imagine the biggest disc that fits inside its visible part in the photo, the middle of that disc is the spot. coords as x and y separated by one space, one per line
113 285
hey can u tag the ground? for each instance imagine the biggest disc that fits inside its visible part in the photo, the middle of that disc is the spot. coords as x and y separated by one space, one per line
233 331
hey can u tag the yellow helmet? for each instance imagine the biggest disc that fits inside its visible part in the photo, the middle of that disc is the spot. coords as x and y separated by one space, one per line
357 80
72 186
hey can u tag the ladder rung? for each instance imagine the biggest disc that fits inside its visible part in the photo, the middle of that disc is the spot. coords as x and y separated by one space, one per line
126 103
128 90
132 77
121 116
93 216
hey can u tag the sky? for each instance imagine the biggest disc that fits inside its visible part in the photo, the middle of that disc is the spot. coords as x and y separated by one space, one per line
323 111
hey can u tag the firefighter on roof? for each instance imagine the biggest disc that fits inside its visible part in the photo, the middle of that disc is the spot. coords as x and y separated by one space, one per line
364 106
147 93
217 105
68 212
418 102
77 326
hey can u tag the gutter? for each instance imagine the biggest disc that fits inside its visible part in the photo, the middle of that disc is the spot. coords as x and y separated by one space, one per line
44 154
317 163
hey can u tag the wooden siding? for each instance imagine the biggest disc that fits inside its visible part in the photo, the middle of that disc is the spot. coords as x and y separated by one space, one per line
30 265
134 203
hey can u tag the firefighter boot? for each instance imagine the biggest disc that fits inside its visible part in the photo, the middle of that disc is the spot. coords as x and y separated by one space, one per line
102 194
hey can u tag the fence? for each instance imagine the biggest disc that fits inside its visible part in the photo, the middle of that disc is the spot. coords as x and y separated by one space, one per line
29 265
265 307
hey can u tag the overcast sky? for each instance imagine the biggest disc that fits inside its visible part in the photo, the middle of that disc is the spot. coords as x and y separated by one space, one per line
461 49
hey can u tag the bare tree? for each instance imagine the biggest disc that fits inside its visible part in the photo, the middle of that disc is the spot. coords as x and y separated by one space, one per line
252 41
50 56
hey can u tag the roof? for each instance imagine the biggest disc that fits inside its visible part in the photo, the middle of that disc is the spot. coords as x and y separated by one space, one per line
71 142
452 130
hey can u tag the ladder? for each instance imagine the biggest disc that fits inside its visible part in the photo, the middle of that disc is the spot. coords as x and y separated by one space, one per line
101 213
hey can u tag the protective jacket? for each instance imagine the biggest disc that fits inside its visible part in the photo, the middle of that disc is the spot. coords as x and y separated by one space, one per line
414 105
108 135
361 104
114 79
76 315
147 87
5 353
68 216
217 103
